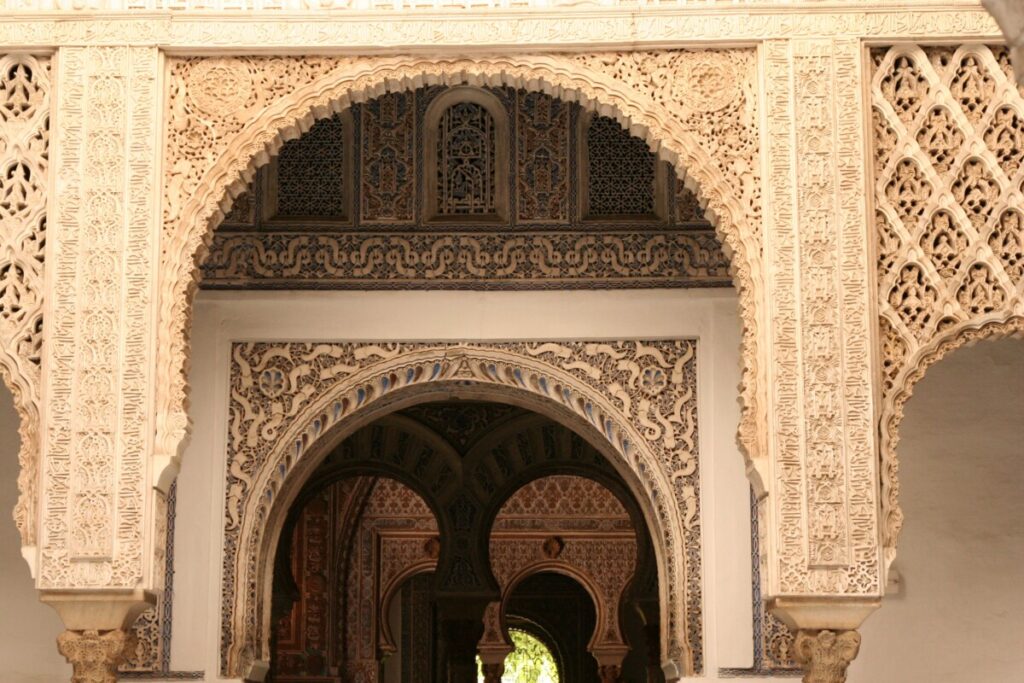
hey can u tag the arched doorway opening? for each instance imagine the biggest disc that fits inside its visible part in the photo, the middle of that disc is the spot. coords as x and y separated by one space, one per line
390 569
960 451
533 660
634 400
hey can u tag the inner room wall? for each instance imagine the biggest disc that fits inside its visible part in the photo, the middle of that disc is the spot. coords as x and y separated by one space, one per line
956 614
710 315
28 628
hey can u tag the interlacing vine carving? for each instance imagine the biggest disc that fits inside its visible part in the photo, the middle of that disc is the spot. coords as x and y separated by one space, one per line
24 162
949 146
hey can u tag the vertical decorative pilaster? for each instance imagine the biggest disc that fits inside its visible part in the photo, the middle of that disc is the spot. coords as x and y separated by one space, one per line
823 538
97 506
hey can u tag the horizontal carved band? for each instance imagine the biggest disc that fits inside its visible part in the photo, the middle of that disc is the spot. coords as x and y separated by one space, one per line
280 260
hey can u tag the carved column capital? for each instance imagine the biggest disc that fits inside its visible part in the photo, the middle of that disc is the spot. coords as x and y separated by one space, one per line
95 655
825 655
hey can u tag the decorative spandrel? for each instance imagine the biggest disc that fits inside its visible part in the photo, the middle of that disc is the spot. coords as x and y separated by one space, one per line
620 172
466 162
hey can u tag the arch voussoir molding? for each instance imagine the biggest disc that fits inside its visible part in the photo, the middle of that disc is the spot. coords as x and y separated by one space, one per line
633 401
228 116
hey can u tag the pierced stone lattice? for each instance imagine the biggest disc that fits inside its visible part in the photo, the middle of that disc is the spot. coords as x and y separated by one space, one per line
24 162
466 161
620 172
311 173
949 128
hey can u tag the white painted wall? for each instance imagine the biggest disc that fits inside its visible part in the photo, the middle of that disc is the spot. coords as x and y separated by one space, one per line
959 614
28 628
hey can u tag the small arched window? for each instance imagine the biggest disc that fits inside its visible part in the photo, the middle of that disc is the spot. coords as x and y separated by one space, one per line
466 149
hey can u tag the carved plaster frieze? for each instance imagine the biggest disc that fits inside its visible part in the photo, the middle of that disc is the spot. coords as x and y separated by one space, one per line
227 115
292 402
949 184
466 260
495 28
25 87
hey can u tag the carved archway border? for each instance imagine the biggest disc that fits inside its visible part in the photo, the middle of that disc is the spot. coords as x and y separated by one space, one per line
580 385
668 98
915 368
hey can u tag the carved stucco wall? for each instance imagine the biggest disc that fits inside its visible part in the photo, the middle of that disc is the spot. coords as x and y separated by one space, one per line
821 510
226 115
790 66
290 402
25 90
99 319
357 216
949 177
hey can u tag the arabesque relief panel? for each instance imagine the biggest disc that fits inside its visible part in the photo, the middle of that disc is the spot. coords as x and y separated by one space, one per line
547 240
949 190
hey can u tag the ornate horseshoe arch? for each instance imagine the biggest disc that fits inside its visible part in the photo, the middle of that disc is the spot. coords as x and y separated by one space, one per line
228 116
901 391
631 400
948 189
